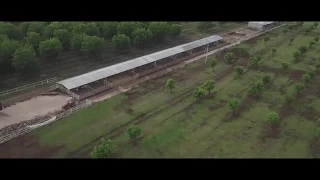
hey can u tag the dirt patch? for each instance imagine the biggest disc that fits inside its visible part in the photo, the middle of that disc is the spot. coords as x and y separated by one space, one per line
213 108
270 131
310 114
296 75
130 111
285 111
253 40
314 148
38 106
29 147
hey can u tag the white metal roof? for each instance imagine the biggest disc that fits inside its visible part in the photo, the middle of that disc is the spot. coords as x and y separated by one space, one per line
261 22
96 75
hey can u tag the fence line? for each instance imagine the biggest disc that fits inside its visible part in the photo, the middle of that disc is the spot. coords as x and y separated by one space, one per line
40 83
24 97
59 116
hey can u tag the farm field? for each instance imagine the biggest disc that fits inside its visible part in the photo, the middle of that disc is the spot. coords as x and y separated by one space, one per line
175 124
72 63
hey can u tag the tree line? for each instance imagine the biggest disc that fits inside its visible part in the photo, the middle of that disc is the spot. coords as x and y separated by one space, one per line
21 46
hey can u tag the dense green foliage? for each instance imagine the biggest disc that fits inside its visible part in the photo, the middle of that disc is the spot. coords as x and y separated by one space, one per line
48 39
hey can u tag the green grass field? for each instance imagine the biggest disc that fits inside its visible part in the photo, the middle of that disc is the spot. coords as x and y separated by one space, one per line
177 125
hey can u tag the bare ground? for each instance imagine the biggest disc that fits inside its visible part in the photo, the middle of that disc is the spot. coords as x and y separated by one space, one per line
26 110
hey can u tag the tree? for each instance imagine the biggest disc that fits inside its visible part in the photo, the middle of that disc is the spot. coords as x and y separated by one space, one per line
254 61
272 118
121 42
290 27
7 48
315 25
266 39
171 84
126 28
76 41
306 31
133 132
242 51
159 30
266 79
204 26
92 29
108 29
285 31
311 74
143 24
141 37
239 70
50 47
92 45
273 50
213 62
78 28
23 27
303 49
316 39
198 93
103 150
298 88
256 88
318 67
284 65
291 40
288 99
24 60
33 39
49 30
64 37
229 57
37 27
209 85
233 104
317 133
67 26
311 44
3 37
175 30
296 55
10 30
306 78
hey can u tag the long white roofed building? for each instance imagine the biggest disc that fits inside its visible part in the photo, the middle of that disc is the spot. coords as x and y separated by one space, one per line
261 25
135 67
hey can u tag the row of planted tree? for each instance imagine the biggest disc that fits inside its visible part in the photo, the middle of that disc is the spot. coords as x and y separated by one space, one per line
20 46
106 148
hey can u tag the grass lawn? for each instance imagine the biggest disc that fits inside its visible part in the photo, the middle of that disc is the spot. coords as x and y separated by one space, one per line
177 125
